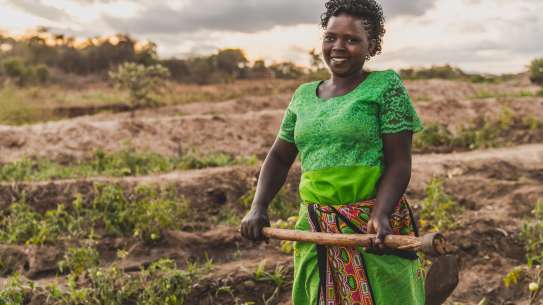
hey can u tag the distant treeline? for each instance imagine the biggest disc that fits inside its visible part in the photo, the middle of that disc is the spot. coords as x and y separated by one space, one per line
42 55
453 73
29 59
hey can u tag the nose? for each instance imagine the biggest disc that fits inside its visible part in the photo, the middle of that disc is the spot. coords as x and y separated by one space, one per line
339 45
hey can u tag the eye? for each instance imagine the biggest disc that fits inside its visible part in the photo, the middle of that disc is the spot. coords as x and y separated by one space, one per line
353 40
329 38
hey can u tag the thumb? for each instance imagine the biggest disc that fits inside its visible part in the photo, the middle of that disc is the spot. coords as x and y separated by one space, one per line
371 227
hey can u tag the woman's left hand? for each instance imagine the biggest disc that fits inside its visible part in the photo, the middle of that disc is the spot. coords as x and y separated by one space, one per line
379 225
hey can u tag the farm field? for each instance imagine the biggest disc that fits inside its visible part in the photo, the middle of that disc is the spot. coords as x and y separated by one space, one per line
145 206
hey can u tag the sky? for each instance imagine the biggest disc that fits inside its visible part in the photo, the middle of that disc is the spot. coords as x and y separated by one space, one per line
487 36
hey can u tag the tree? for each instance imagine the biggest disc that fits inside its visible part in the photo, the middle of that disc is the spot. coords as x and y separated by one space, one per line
16 70
141 81
231 61
536 71
286 70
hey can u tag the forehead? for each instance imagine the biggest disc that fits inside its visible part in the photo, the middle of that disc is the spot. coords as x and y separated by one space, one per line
346 24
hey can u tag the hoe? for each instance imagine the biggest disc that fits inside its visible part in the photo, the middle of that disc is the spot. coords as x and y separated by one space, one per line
441 279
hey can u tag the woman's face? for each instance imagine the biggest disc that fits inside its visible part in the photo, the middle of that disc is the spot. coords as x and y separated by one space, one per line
345 45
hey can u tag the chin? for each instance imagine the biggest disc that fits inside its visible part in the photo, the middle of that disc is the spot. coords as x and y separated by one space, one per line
342 73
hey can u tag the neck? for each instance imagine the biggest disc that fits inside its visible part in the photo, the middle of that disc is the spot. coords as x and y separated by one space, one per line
347 80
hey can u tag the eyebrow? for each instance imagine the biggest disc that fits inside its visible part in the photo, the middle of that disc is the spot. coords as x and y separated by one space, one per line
347 34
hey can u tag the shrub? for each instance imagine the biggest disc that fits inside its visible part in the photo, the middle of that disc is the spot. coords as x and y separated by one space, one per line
145 213
16 291
438 209
532 235
77 260
16 70
141 81
536 71
165 284
42 73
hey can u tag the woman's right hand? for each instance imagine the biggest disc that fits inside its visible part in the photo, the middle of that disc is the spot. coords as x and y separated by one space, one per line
252 224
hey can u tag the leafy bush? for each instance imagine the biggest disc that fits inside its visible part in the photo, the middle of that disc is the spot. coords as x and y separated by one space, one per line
438 209
141 81
77 260
145 214
532 235
161 283
15 69
536 71
16 291
123 163
480 133
42 73
165 284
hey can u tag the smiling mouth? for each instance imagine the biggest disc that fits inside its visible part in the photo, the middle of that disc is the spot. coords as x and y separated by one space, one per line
338 60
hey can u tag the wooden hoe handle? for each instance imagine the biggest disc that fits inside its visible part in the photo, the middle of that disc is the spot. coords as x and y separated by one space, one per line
431 244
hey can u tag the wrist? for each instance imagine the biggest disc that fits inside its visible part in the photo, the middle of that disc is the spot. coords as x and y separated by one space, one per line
379 214
257 209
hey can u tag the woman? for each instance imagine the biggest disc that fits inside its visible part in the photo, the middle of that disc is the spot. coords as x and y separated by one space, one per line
353 133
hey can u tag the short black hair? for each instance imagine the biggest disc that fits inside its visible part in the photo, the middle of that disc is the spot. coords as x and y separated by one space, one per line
370 11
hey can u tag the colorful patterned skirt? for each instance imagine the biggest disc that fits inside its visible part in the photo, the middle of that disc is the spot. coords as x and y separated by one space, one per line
325 275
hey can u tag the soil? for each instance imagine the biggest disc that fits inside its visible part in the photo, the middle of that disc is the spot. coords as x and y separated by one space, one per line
496 188
244 126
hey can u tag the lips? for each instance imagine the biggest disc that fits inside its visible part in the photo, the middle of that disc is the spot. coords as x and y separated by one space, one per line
339 60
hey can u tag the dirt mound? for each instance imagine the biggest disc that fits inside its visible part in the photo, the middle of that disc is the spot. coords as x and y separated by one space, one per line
245 126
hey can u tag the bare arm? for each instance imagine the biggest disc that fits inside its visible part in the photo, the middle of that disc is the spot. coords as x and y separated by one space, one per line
394 181
272 176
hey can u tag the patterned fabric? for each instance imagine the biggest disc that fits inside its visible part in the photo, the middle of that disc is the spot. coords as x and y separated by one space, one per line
347 130
344 278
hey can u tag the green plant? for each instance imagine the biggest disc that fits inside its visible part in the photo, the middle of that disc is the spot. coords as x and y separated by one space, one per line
15 69
122 163
536 71
277 277
438 209
433 135
286 246
141 81
163 283
145 217
16 291
42 73
145 213
77 260
281 207
154 214
532 235
513 276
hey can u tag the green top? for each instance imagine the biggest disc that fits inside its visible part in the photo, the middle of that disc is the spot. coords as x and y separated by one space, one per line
339 139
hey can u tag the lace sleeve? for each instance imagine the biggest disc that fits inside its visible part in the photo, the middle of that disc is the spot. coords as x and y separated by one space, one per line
396 109
286 131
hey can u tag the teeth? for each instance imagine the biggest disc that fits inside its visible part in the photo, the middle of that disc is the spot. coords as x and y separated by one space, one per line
339 60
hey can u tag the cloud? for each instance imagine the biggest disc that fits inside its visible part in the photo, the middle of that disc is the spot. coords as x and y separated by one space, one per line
247 16
38 8
394 8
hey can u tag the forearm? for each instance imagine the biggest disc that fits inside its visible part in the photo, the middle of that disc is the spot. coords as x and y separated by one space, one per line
272 176
391 187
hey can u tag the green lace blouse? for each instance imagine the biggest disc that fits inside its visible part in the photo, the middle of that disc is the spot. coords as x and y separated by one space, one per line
340 139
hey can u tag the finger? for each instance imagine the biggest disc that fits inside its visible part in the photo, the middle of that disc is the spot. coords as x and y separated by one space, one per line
381 237
371 228
257 233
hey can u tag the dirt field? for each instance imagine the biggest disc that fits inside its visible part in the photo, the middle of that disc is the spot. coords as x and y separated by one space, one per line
495 188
